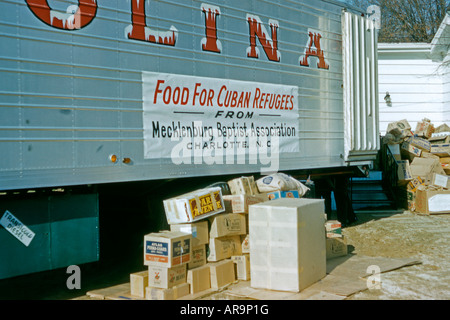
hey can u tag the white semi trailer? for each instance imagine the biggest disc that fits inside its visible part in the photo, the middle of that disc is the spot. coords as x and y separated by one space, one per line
109 93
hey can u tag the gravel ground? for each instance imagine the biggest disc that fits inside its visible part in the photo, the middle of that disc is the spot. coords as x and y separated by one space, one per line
405 235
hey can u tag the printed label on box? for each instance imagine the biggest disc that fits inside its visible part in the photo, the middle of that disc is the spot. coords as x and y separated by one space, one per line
206 204
156 251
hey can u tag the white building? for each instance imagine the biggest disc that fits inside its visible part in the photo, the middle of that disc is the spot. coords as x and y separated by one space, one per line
414 80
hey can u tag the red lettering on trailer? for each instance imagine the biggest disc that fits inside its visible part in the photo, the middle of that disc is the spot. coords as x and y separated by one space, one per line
210 43
269 44
138 29
79 16
314 41
75 17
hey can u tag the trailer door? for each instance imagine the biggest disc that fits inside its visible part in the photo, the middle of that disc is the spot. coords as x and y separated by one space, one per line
360 72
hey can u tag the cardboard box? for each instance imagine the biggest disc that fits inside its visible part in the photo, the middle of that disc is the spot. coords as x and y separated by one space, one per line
440 180
444 160
198 257
424 129
243 185
152 293
333 229
408 151
239 203
336 247
441 149
415 183
411 200
283 194
162 277
173 293
425 167
395 150
138 283
419 143
403 172
227 224
181 290
222 273
288 249
426 154
167 248
439 139
223 248
245 244
199 231
400 128
194 206
429 201
199 279
242 266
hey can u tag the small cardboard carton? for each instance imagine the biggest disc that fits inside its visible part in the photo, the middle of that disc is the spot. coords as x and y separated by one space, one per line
400 128
162 277
167 248
425 167
415 183
227 224
239 202
138 283
199 231
198 258
242 264
432 201
440 139
333 229
411 200
440 180
424 129
194 206
223 248
336 247
199 279
222 273
408 151
283 194
419 143
441 149
173 293
243 185
403 172
395 150
245 244
152 293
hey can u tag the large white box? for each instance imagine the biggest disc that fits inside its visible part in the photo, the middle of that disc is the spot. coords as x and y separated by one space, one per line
288 249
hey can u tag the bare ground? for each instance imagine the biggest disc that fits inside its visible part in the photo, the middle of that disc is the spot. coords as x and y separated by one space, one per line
405 235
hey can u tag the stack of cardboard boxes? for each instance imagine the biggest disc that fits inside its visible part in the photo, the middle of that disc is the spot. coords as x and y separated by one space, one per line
423 158
208 245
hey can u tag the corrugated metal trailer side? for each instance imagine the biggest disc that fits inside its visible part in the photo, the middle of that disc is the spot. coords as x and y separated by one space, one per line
110 93
72 94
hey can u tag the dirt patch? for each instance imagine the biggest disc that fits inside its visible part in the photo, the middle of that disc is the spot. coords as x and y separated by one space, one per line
406 235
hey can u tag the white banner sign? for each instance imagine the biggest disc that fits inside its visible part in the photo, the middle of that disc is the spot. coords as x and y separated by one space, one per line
188 117
17 228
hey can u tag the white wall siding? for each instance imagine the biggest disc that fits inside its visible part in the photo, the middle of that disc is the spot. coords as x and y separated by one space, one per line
415 84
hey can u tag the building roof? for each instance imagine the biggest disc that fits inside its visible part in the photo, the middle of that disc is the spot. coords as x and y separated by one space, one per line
441 42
